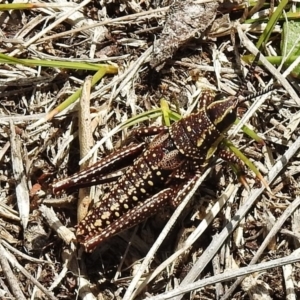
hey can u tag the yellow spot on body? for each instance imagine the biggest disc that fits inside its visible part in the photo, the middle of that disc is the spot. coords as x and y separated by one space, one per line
98 223
105 215
115 206
117 214
131 190
150 183
143 190
135 198
189 129
200 140
158 173
126 206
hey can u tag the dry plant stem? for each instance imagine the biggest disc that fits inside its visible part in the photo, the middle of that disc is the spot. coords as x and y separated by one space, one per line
119 271
4 150
295 228
228 194
8 213
202 67
256 8
84 292
134 69
85 144
50 27
289 284
150 255
240 214
36 293
111 21
60 276
30 26
277 227
61 202
292 66
229 275
68 139
5 290
63 232
14 263
12 280
251 48
124 79
217 270
248 114
23 255
22 192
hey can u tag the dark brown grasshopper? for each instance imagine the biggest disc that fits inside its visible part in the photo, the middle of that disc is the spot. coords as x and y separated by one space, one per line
159 174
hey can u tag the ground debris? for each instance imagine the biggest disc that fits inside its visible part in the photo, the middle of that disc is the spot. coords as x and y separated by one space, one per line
185 20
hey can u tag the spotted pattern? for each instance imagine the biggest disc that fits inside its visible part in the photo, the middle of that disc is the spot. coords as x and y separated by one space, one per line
162 174
118 159
139 182
198 135
130 218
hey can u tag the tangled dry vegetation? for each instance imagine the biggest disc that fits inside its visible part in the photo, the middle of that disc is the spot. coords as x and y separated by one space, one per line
225 232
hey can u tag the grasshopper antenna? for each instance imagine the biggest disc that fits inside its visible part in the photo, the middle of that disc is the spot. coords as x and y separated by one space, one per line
243 86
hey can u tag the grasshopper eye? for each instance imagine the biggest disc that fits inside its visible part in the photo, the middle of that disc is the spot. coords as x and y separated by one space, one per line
220 97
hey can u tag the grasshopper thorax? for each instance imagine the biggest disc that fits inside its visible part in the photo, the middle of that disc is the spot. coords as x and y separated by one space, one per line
198 135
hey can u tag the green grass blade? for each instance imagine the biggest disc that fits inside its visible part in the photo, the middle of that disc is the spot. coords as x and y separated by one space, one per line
110 69
271 24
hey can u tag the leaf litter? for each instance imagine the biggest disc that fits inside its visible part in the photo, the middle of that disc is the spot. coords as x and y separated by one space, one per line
169 49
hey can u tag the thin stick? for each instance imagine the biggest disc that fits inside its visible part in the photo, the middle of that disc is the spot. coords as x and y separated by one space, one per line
229 275
215 245
277 226
85 144
11 278
251 48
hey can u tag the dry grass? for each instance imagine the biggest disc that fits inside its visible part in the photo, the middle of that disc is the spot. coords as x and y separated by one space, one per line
226 233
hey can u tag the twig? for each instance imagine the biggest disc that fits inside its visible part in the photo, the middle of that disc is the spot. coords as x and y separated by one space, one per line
11 278
126 77
51 26
85 144
229 193
277 226
15 264
134 283
240 214
22 192
289 284
63 232
251 47
229 275
106 22
23 255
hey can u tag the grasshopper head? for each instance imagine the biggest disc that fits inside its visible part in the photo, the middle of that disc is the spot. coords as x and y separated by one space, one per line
222 111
